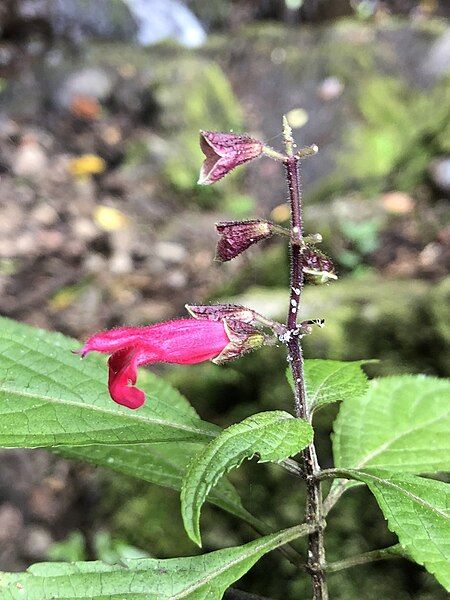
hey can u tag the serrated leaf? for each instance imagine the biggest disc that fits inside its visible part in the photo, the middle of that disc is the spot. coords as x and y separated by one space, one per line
203 577
328 381
273 435
418 511
163 464
49 397
401 424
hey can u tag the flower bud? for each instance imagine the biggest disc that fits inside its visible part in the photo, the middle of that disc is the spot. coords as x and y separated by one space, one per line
217 312
237 236
316 266
223 152
235 312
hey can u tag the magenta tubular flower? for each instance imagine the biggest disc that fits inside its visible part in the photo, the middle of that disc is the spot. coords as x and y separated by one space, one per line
224 152
183 342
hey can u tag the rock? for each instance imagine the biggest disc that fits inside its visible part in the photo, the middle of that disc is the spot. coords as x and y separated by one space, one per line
110 19
11 522
89 82
166 19
437 60
397 203
30 160
148 21
44 214
176 279
439 171
36 543
170 252
330 88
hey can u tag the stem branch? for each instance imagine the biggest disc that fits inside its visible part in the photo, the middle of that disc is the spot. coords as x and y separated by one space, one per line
362 559
316 550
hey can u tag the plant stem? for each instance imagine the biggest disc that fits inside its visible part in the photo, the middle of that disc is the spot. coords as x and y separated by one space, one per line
316 550
362 559
288 551
333 497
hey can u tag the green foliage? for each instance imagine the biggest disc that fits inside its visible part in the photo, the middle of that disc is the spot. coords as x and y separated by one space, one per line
402 424
391 428
163 464
363 237
203 577
418 511
48 397
273 436
328 381
72 549
105 547
400 134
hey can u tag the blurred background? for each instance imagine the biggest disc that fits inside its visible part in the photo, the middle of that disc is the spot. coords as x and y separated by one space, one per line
102 224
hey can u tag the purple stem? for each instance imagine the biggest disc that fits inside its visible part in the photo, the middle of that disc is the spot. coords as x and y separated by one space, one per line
316 551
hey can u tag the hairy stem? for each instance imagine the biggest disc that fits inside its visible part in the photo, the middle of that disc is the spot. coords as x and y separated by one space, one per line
316 551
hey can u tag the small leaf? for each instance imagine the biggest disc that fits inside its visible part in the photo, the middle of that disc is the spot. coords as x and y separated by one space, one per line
203 577
328 381
48 397
401 424
273 435
418 511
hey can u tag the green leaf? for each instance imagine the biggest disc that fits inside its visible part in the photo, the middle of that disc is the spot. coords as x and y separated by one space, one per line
48 397
401 424
418 511
163 464
328 381
273 436
203 577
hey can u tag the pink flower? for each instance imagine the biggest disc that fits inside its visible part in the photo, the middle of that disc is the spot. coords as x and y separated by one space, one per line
183 342
224 152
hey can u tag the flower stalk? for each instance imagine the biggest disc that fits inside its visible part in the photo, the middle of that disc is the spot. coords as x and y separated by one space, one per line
316 550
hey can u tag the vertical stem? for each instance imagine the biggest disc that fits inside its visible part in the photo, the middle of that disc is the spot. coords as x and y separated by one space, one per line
316 551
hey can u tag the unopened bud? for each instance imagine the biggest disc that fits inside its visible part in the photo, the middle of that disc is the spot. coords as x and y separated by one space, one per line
237 236
316 266
313 238
216 312
223 152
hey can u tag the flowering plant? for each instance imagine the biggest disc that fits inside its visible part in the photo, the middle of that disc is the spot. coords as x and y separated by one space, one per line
388 434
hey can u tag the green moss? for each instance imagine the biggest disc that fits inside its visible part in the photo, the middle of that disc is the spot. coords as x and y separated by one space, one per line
399 135
195 94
